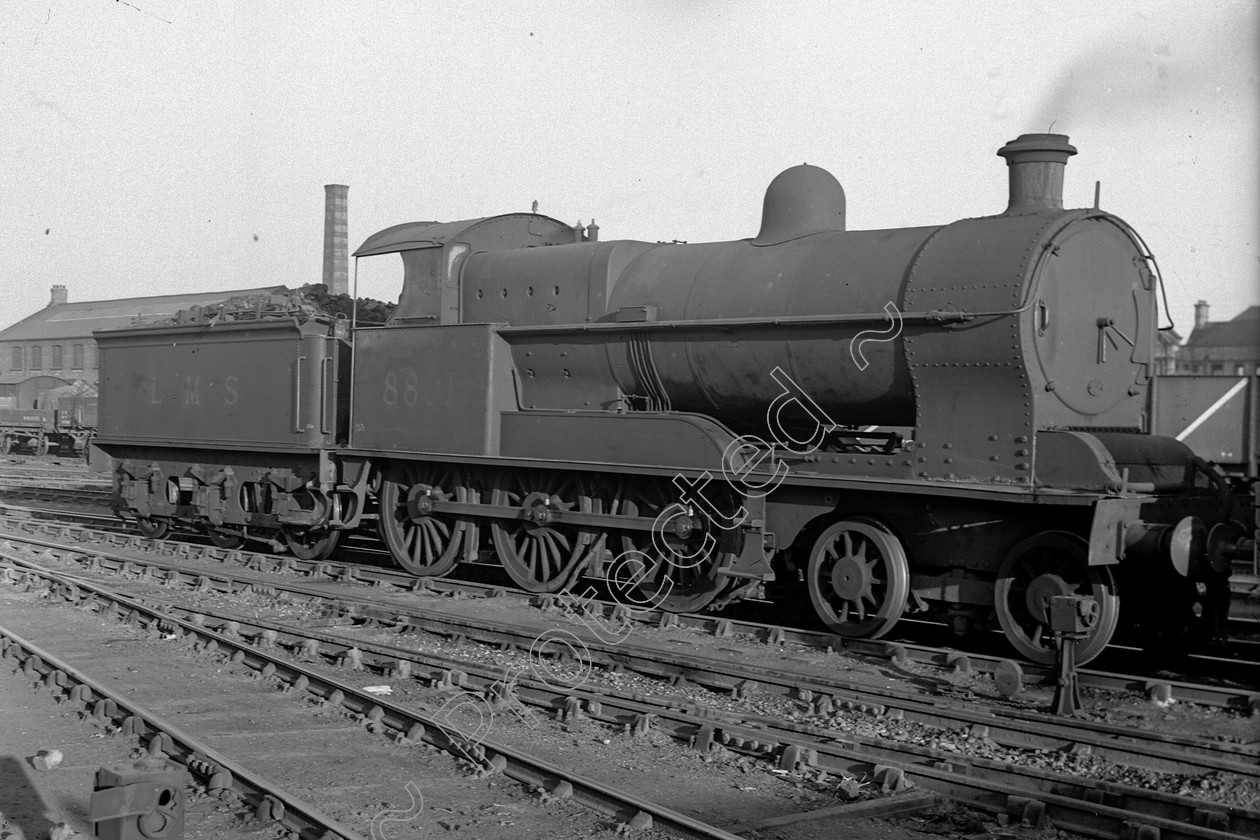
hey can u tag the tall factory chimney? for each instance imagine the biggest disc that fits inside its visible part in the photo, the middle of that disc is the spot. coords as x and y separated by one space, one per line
336 240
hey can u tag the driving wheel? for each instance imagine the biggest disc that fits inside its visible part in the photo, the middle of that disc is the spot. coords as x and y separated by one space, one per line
676 565
423 541
539 550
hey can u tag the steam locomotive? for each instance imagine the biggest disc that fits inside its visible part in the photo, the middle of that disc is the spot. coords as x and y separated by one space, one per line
945 420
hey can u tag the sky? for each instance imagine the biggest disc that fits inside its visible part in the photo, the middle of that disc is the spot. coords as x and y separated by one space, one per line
159 147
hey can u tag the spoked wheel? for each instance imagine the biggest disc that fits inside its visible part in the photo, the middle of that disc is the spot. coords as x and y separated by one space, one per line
422 541
540 551
858 578
311 545
1043 566
226 537
675 565
154 529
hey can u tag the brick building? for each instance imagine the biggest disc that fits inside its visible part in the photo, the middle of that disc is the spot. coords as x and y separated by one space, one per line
1222 348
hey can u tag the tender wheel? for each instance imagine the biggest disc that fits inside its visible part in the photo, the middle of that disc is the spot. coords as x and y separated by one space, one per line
226 538
423 542
540 551
312 545
1042 566
154 529
858 578
676 566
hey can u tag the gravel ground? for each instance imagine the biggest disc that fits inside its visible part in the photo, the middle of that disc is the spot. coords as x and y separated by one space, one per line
735 788
222 704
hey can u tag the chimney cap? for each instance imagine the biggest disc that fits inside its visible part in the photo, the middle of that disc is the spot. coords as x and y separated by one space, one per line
1034 148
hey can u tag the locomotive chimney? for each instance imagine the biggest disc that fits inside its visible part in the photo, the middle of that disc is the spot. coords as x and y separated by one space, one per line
1036 163
336 245
59 295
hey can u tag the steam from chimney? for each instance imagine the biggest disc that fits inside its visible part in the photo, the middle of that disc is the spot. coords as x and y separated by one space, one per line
336 240
1136 76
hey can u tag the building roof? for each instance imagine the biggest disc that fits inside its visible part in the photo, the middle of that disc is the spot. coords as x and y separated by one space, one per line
1168 337
1242 331
61 321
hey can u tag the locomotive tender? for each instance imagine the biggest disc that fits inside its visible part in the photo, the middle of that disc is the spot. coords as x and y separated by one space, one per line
946 420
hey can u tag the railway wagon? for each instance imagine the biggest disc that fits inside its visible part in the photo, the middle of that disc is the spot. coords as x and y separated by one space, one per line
947 420
1218 417
32 428
75 408
44 413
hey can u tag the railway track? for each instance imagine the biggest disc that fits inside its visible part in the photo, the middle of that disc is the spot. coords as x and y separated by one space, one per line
794 744
377 729
1243 664
162 741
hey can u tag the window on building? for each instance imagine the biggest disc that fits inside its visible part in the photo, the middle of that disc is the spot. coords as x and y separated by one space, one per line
78 357
37 358
17 359
59 359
